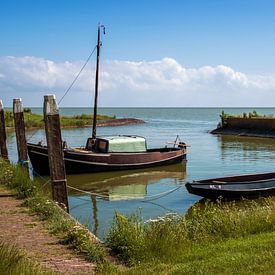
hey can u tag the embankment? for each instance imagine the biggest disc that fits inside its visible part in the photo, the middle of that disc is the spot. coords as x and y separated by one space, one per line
36 121
120 122
253 127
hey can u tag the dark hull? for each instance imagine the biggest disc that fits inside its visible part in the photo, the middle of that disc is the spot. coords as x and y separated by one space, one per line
247 186
80 161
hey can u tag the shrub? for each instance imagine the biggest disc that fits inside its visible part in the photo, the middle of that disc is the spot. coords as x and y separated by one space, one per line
27 110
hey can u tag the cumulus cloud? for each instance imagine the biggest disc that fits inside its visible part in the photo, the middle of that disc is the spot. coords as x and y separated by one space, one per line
162 82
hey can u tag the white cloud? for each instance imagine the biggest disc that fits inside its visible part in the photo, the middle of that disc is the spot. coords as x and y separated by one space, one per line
163 82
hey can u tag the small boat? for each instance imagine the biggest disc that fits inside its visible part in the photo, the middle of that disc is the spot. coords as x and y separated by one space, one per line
112 153
109 153
236 187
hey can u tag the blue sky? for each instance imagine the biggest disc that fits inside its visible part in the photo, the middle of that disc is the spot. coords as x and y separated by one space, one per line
238 34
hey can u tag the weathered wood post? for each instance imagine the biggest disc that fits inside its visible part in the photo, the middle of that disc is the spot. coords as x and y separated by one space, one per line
3 136
55 151
19 126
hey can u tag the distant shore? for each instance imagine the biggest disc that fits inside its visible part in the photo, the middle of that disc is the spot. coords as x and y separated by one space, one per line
118 122
36 121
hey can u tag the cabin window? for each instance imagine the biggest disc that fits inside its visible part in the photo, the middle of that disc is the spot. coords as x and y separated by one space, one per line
102 146
89 144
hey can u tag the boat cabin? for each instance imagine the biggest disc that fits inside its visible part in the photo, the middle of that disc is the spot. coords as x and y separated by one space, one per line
117 144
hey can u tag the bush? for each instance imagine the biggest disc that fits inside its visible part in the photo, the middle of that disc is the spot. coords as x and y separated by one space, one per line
27 110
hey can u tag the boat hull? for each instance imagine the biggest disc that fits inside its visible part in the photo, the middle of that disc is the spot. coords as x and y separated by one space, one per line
246 186
81 161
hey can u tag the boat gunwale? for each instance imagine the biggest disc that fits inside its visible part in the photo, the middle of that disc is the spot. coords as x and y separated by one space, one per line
91 153
112 164
222 181
229 190
232 182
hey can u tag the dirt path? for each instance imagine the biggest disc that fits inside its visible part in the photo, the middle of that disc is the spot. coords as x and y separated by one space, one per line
28 234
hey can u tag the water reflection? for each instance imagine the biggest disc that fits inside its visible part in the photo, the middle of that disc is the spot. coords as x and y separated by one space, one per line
246 148
125 185
113 190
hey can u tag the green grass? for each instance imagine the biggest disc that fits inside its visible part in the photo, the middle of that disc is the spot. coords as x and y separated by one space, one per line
14 262
253 254
57 221
36 120
213 238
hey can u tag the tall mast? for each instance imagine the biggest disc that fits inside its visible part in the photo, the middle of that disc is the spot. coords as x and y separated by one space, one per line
96 83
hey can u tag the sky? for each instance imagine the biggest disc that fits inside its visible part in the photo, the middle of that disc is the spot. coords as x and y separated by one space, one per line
156 53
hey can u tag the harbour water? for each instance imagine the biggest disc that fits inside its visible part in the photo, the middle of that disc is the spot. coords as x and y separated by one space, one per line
158 191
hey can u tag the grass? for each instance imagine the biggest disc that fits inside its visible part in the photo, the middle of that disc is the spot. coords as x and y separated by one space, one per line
12 261
37 121
213 238
57 221
251 255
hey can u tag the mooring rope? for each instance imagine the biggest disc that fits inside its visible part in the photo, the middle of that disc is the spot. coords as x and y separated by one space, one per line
147 198
161 195
87 192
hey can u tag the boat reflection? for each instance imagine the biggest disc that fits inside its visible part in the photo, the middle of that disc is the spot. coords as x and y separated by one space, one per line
124 185
114 187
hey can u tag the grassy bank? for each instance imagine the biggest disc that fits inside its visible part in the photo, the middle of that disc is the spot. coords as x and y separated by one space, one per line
56 220
219 237
216 238
36 121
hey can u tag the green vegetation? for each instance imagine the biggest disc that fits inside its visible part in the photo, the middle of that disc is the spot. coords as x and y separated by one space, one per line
36 120
224 116
57 221
213 238
12 261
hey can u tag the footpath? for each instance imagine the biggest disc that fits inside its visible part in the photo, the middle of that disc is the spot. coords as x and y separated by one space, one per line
24 230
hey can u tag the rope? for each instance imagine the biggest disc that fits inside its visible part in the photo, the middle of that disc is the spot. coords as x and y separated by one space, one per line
161 195
147 199
44 179
87 192
35 132
69 88
77 75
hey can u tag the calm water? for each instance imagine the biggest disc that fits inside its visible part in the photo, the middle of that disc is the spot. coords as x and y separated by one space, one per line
148 190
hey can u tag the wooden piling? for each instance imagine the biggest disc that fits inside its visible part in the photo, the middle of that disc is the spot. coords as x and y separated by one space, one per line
55 151
3 136
19 126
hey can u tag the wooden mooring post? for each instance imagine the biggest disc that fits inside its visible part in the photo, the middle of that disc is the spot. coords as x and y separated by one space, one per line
3 136
55 151
19 126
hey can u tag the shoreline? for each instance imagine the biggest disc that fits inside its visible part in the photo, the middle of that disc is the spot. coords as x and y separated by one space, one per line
106 123
244 132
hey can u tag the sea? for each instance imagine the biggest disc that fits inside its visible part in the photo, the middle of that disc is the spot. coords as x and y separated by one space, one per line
155 192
